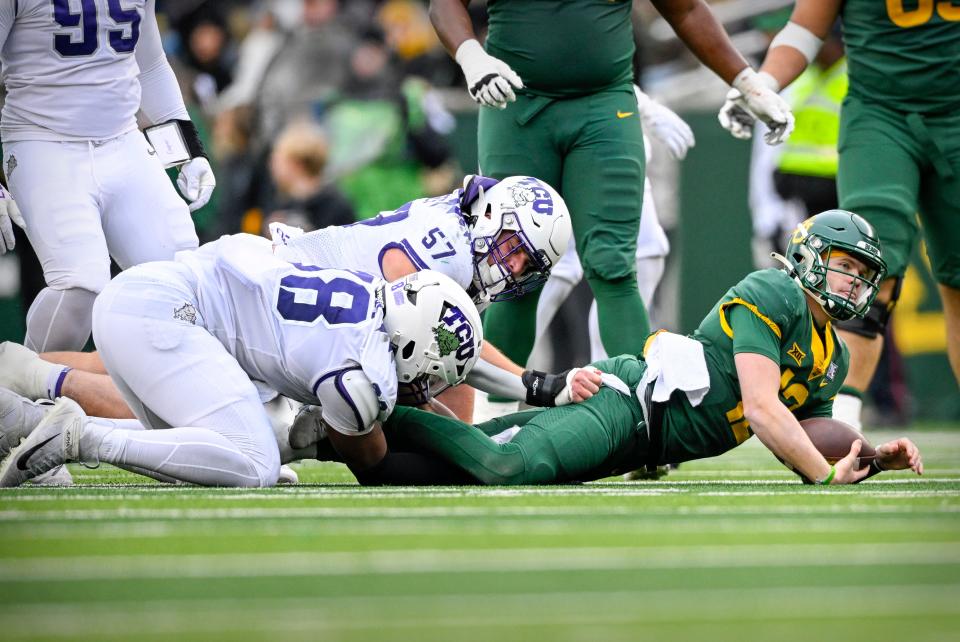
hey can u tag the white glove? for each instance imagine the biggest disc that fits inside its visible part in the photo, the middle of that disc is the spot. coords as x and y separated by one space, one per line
757 97
736 119
489 79
196 182
281 233
9 214
664 125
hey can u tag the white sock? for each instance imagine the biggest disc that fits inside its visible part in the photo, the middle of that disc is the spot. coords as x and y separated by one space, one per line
55 378
847 408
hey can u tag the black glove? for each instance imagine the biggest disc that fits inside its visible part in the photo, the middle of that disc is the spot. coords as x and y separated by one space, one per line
543 388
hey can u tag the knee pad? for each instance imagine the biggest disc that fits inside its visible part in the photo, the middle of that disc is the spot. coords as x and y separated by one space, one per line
874 322
60 320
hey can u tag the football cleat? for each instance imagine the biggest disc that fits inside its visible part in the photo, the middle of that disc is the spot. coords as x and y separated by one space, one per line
59 476
648 473
23 371
51 444
18 417
308 427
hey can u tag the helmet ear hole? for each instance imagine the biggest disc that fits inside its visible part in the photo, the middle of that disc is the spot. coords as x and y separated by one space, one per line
408 349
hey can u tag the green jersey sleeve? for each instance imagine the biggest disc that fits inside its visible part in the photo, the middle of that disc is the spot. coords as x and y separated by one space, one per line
771 296
752 334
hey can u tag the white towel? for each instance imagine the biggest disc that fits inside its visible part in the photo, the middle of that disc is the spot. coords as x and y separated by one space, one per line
675 362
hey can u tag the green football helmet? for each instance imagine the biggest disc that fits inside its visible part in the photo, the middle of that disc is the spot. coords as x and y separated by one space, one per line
829 235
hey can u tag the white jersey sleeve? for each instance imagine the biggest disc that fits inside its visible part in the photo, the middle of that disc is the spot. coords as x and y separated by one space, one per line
430 231
161 99
69 69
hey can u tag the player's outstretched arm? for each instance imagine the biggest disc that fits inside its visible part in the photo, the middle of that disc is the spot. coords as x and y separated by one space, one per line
490 81
162 104
496 374
791 50
779 430
695 24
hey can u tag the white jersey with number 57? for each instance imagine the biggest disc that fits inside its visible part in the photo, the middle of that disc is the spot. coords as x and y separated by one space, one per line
71 67
430 231
294 327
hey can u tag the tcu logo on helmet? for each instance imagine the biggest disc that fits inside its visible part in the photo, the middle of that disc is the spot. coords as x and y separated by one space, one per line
531 192
457 336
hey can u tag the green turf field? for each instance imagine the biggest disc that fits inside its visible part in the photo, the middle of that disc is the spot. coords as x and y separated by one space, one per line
727 549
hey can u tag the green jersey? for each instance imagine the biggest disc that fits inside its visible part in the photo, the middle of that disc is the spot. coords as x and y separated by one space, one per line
766 313
904 53
563 47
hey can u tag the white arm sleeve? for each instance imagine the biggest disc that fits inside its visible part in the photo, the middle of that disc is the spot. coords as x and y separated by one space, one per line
348 402
160 98
496 381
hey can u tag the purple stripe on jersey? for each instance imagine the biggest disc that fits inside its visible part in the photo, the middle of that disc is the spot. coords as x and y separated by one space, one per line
405 247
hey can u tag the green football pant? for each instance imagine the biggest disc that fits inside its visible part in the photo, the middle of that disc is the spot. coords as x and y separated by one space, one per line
579 442
894 165
591 149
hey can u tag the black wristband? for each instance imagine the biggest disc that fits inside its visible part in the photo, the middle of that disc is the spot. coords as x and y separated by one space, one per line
543 388
191 137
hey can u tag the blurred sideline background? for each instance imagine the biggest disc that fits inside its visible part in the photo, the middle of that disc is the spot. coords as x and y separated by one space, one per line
322 112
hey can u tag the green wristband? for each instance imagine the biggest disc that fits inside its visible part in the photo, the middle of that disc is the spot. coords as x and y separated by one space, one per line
829 478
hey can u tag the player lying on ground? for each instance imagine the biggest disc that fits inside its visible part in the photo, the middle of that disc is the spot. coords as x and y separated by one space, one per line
765 357
185 340
498 240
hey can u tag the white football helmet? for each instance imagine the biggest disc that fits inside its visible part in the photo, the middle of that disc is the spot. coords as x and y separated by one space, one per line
537 222
434 327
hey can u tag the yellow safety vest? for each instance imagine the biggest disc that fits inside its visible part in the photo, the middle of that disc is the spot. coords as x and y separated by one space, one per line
816 97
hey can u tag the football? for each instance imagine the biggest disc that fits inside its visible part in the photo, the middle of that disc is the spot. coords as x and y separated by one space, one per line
833 439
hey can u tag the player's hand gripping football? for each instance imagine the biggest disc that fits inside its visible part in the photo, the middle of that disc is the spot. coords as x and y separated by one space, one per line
196 182
846 471
490 81
900 454
664 125
754 96
9 214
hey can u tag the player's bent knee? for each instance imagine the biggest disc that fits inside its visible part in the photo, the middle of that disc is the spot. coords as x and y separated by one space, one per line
604 260
874 322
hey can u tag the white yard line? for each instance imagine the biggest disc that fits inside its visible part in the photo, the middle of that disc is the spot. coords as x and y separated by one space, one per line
469 613
500 560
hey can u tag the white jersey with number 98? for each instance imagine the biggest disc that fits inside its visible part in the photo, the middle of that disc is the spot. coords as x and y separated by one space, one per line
292 325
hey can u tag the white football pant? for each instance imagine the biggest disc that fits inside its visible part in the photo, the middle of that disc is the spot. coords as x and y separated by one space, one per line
208 423
84 202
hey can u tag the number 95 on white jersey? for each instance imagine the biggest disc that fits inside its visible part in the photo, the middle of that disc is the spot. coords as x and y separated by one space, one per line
69 67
